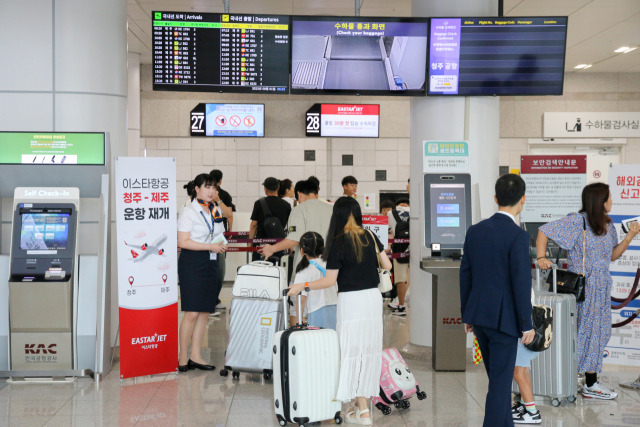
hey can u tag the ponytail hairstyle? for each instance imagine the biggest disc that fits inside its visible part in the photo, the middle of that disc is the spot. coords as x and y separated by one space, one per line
594 196
191 188
285 184
312 244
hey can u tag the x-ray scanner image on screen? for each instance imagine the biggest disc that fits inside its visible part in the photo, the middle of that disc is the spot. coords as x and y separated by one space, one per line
359 55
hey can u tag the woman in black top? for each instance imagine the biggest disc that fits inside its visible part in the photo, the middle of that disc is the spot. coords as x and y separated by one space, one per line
351 254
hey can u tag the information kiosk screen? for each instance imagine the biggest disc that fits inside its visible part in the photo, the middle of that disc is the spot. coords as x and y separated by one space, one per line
214 52
447 210
44 231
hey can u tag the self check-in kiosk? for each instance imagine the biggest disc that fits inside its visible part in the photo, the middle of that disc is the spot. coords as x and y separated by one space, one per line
42 281
447 199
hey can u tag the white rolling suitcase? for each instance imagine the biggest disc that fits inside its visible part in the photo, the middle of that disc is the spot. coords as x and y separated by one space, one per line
252 324
306 371
554 373
260 279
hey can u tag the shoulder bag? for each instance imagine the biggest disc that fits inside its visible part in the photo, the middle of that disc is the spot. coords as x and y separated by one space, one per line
384 285
568 281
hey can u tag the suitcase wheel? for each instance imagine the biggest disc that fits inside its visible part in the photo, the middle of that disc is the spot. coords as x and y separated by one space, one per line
224 373
235 375
422 395
571 399
398 404
266 376
406 404
338 419
555 402
281 420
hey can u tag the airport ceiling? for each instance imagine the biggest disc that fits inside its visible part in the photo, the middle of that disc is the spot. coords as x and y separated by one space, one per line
596 27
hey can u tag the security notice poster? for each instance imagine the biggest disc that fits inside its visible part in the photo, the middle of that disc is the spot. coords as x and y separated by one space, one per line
379 225
147 265
624 345
554 185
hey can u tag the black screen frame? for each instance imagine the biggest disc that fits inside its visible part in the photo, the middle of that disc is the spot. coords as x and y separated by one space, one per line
445 178
18 253
414 92
495 94
104 148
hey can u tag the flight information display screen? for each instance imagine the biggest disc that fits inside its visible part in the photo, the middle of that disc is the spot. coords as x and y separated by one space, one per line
213 52
44 231
497 56
52 148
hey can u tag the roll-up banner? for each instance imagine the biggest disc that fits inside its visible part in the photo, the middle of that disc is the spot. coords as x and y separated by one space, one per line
624 345
147 265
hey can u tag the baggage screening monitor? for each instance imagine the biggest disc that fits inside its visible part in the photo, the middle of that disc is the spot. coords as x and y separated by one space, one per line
447 200
43 245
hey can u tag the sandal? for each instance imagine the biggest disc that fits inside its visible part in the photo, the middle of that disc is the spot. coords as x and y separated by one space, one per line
357 419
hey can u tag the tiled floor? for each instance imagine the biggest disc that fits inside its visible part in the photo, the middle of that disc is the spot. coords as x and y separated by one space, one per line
201 398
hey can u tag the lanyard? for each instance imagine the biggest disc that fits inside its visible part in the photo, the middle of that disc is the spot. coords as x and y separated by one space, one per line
210 227
319 267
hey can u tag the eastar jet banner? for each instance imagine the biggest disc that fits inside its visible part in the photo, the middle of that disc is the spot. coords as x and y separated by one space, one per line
554 185
379 225
147 265
624 345
343 120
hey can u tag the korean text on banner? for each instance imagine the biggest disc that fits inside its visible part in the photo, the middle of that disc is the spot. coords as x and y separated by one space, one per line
624 344
554 185
147 265
445 156
379 225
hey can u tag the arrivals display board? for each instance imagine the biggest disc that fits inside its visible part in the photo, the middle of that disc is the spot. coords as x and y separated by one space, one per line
497 56
228 120
52 148
358 55
213 52
343 120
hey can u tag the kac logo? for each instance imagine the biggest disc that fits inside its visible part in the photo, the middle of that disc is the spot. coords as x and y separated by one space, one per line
40 349
451 321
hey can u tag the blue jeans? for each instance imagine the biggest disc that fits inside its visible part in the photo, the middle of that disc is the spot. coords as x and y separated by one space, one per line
325 317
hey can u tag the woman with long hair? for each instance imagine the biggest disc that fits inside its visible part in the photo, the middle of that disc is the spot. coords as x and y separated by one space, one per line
285 191
199 226
351 254
602 248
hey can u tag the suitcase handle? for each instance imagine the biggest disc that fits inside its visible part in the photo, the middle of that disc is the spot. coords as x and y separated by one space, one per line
285 302
262 263
554 268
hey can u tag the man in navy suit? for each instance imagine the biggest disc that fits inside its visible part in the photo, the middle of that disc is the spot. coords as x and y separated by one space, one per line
495 293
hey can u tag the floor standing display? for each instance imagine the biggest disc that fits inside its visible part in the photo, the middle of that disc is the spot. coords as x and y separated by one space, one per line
447 217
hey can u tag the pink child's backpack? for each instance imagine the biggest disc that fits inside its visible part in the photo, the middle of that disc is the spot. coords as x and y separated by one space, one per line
397 383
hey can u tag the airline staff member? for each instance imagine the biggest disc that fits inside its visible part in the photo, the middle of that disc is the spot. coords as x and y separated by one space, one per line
200 224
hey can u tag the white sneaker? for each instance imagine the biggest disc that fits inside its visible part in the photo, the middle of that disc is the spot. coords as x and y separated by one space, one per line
598 391
221 306
214 314
393 305
633 385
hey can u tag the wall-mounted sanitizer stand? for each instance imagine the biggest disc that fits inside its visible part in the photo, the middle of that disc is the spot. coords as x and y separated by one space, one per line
55 307
447 204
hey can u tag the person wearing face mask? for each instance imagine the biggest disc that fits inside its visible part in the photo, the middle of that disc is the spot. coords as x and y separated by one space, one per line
592 229
200 239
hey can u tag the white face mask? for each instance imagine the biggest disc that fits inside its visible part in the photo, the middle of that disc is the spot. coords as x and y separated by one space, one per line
402 209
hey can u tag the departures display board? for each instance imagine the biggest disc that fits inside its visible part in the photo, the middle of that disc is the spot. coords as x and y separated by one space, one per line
213 52
52 148
497 56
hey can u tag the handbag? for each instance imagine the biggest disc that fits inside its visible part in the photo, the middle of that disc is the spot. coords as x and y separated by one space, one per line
543 328
384 285
568 281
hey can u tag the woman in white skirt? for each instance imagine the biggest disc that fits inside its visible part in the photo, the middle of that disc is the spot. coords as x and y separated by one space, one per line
351 254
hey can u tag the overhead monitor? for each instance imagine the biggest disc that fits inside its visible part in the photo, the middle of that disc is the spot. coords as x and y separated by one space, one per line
228 120
343 120
219 52
358 55
52 148
447 210
497 56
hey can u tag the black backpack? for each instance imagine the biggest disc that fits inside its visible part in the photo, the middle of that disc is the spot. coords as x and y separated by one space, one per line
401 232
273 228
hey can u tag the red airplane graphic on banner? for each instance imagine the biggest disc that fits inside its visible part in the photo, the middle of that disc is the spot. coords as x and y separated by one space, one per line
146 250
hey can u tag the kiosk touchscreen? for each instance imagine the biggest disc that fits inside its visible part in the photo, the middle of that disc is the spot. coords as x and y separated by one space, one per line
43 251
447 212
447 199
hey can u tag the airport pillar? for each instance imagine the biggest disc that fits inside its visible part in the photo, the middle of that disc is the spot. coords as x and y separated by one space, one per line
64 68
472 119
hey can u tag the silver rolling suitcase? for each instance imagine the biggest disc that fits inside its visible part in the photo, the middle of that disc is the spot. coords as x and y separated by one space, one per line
554 373
252 324
306 371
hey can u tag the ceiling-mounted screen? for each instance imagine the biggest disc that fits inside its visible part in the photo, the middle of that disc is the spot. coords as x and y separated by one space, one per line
231 120
214 52
497 56
52 148
358 55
